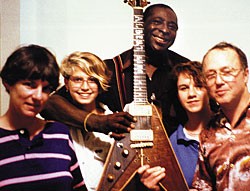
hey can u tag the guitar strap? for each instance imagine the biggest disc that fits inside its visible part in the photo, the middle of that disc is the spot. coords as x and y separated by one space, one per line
120 79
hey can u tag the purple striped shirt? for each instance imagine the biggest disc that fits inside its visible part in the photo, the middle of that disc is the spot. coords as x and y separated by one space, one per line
48 162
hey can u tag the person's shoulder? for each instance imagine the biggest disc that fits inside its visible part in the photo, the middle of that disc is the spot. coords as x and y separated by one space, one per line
127 52
58 127
124 56
177 57
177 133
58 132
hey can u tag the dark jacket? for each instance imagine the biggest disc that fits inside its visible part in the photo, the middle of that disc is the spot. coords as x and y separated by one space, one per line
162 84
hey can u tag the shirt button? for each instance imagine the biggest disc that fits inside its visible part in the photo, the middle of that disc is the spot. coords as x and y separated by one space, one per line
21 131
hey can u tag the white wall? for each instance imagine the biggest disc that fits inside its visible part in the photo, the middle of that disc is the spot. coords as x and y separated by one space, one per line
105 27
9 35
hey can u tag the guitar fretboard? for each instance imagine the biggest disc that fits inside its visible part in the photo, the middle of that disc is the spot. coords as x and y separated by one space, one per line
140 85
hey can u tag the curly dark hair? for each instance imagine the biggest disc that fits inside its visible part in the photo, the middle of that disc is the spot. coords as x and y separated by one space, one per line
192 68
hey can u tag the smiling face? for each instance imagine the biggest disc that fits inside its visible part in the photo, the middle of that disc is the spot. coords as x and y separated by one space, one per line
225 91
82 88
193 98
27 97
160 28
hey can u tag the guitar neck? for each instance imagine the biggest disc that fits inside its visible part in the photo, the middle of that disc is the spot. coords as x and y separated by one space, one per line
140 85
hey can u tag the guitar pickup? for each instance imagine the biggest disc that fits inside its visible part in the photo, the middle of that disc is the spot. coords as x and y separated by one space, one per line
140 110
141 135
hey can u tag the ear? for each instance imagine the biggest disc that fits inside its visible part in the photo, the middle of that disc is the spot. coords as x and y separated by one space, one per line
66 82
246 75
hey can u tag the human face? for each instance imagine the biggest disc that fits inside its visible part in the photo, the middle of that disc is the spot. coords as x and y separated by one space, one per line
27 97
82 88
160 29
222 63
192 97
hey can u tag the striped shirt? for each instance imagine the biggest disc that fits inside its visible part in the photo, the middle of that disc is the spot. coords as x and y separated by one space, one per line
48 162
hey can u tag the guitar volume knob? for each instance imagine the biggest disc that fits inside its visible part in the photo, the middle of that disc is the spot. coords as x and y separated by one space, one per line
118 165
111 177
125 153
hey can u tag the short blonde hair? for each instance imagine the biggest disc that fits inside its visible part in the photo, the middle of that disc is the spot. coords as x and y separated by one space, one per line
91 64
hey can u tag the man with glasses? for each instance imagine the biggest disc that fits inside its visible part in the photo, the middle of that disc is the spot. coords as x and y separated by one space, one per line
224 158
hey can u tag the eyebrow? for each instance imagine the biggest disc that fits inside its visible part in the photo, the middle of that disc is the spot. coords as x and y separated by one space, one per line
182 85
225 67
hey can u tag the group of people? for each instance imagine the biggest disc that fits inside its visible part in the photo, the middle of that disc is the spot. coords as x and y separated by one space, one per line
67 149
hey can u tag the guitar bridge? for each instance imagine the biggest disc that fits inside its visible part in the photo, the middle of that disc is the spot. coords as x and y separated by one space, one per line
141 145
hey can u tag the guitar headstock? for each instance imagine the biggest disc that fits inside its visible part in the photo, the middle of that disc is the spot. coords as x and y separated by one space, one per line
137 3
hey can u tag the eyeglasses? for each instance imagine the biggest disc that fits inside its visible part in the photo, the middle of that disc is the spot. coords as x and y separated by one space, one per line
227 74
79 81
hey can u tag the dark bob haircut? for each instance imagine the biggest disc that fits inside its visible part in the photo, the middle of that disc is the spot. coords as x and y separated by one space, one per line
31 62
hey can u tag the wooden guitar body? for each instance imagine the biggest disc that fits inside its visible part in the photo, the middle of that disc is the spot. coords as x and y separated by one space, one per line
123 161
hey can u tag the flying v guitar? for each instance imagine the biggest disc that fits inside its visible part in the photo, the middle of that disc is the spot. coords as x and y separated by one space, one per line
148 143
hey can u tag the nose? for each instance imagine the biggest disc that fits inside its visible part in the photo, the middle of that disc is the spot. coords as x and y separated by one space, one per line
191 91
85 85
38 92
164 27
218 79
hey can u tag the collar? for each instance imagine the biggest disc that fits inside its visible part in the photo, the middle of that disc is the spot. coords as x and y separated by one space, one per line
181 136
220 120
126 58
